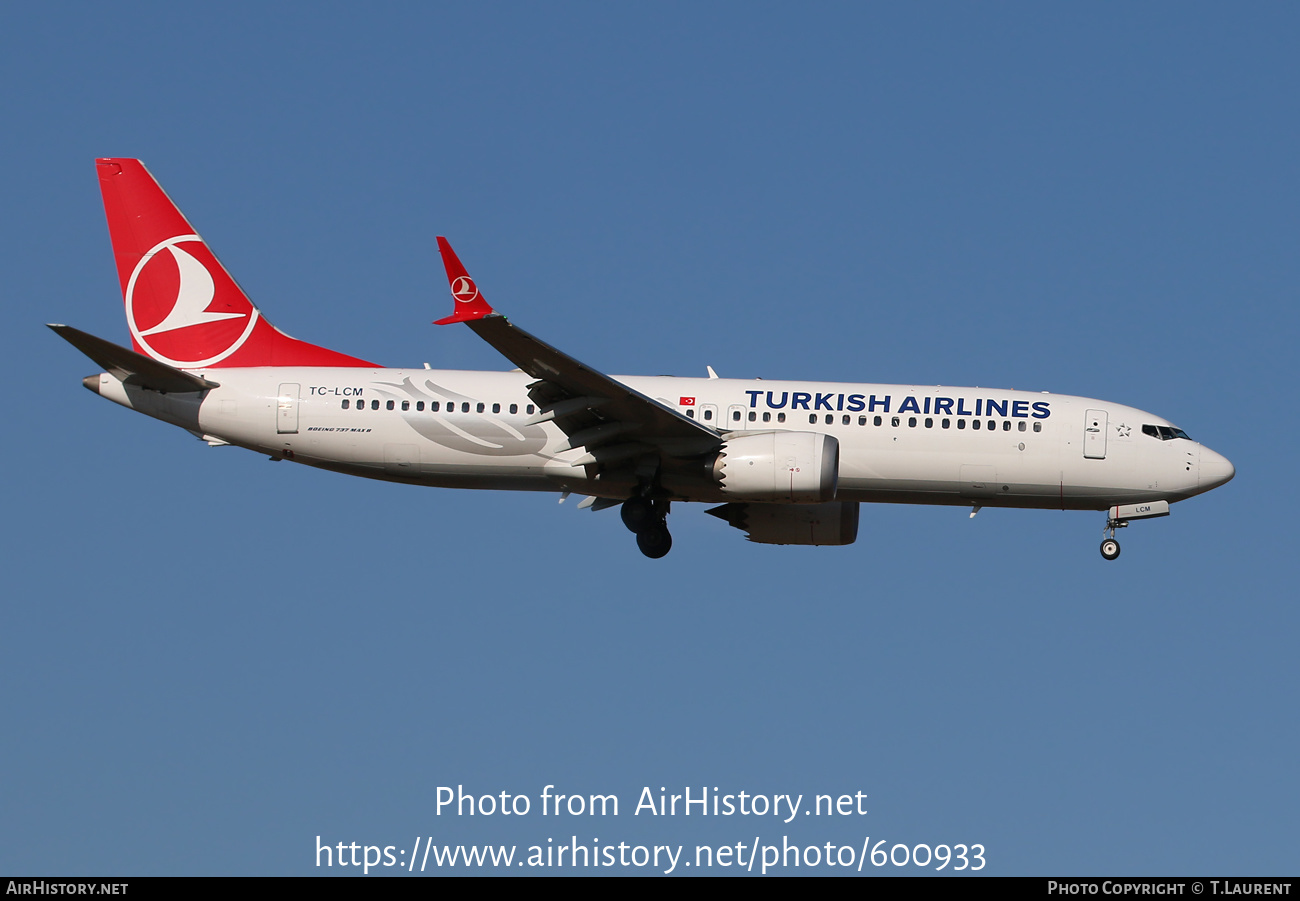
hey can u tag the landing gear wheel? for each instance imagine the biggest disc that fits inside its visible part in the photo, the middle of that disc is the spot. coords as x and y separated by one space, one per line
655 541
1110 548
638 514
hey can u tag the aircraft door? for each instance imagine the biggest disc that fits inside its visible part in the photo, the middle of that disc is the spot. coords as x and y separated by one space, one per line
286 417
1094 435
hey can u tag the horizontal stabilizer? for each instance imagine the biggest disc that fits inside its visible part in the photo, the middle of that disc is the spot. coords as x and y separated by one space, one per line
130 367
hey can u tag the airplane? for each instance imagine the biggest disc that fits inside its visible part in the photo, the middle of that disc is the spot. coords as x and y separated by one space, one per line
788 462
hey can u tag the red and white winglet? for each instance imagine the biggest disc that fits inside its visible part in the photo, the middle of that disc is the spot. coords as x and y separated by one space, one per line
470 304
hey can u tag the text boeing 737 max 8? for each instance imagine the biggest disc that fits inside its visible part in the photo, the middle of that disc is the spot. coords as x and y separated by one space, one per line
789 462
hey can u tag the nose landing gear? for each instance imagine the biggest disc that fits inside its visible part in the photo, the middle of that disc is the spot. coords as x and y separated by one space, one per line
1109 546
1118 517
648 519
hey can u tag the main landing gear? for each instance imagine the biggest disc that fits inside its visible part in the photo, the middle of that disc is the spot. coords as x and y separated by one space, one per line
648 519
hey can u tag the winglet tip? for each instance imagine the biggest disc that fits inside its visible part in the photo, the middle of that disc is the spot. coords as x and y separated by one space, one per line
470 304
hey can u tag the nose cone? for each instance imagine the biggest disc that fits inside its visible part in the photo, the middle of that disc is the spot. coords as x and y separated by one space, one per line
1215 469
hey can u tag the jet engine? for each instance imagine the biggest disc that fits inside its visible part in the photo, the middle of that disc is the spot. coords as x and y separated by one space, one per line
779 467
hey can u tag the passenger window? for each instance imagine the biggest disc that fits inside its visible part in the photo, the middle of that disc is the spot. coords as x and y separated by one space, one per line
690 412
406 405
780 417
846 419
911 422
1006 425
419 406
735 416
464 407
479 407
829 419
895 421
992 425
961 424
812 418
752 416
878 421
862 420
946 423
496 408
767 417
975 424
514 408
433 406
1038 427
374 405
1021 425
929 423
529 409
346 403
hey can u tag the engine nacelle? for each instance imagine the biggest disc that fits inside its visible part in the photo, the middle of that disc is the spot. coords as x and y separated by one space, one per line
779 467
833 523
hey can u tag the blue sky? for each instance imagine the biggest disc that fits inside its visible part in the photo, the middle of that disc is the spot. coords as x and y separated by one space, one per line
210 661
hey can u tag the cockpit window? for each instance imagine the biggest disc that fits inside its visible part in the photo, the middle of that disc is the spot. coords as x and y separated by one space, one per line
1164 432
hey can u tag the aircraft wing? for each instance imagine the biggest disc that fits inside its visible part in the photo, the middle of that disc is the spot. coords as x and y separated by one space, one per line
611 420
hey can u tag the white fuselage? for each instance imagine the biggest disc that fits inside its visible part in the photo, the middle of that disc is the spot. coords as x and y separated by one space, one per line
897 443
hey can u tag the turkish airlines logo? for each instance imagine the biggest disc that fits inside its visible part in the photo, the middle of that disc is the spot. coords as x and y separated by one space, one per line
464 289
183 308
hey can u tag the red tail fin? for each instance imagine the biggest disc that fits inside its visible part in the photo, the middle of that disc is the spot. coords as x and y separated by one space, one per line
182 307
469 303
